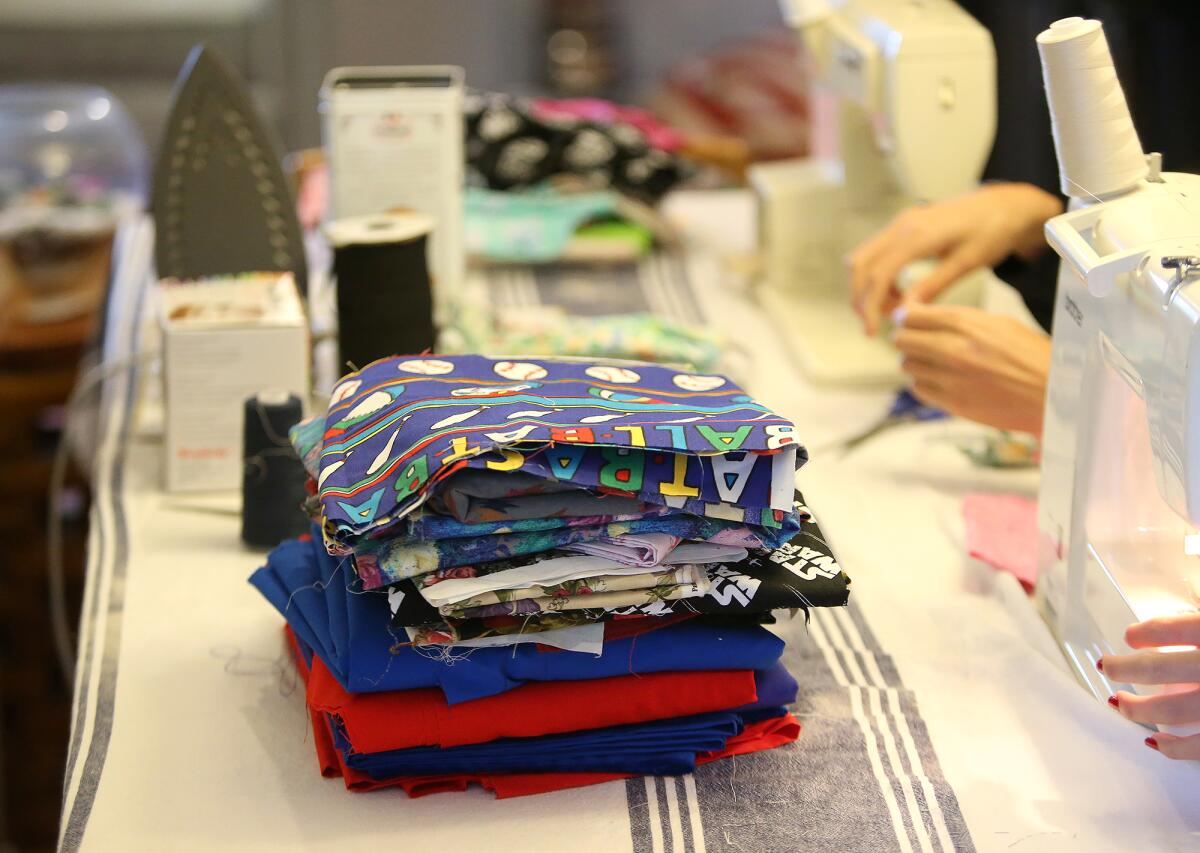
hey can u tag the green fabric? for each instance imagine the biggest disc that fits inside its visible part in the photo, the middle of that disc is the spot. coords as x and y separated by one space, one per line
529 227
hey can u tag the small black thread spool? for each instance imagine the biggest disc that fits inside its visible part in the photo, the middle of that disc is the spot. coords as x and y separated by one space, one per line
384 292
273 477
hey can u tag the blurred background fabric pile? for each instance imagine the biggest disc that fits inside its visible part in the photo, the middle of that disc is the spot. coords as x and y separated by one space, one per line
699 53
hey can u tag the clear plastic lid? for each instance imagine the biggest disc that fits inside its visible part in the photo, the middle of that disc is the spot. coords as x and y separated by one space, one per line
71 160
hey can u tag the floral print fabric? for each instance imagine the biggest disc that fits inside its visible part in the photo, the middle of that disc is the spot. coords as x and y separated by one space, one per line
382 562
797 575
587 593
450 586
579 589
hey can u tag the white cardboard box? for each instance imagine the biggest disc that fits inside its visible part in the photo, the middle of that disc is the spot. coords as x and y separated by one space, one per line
393 136
225 339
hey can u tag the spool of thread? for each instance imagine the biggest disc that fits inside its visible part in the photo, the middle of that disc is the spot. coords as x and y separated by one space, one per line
273 477
1099 153
384 292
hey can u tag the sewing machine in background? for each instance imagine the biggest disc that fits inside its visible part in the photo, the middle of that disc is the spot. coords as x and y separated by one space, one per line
1120 485
915 86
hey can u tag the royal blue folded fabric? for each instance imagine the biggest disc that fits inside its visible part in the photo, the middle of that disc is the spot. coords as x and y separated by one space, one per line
349 630
774 687
661 747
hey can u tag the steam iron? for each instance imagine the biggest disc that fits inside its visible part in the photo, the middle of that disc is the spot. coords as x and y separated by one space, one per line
221 203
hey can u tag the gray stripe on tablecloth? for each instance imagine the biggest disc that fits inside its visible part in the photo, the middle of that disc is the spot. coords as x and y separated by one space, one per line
859 662
946 798
689 843
124 244
883 737
85 649
881 733
820 792
672 270
659 284
662 299
590 291
109 650
664 821
639 816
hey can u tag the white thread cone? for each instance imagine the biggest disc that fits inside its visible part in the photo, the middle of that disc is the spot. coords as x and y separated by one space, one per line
1099 154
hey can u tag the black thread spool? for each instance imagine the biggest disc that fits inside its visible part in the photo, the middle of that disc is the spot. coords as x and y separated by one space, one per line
273 478
384 292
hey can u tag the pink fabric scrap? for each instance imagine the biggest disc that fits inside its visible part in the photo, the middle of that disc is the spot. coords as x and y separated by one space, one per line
1002 532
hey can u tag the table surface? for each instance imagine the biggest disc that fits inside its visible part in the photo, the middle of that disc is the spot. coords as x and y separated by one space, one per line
190 731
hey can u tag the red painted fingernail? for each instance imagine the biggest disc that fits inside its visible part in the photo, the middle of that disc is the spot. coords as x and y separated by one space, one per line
1114 701
1100 664
1152 742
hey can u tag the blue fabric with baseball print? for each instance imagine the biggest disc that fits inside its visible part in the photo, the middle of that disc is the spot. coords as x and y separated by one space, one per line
400 426
507 513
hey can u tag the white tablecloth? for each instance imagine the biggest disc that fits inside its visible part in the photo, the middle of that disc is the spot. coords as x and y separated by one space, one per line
190 731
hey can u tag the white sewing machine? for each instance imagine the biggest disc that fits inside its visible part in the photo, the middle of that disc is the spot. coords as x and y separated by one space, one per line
1120 485
915 86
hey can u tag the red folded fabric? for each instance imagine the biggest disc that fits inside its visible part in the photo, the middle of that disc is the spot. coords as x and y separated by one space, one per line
634 626
756 737
400 719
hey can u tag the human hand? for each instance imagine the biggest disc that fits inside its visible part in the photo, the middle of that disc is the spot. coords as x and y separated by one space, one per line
1158 667
979 229
984 367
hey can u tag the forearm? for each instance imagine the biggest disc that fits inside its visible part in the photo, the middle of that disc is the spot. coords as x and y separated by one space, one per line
1036 206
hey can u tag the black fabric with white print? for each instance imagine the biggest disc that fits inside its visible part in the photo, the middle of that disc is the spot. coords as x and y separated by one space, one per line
508 147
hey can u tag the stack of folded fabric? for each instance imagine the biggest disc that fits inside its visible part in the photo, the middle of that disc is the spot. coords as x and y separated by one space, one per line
537 575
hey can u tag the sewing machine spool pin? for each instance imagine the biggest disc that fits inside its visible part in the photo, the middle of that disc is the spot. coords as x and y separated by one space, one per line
1185 267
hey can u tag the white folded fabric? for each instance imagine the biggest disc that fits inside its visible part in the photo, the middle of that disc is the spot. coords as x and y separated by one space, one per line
559 569
632 549
585 639
607 591
701 553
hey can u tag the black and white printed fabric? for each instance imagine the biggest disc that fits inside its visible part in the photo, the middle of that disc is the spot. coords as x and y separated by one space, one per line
509 147
798 575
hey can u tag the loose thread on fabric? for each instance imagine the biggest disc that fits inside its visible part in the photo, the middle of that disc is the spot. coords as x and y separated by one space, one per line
391 657
258 460
315 586
805 601
269 429
289 679
445 654
241 665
